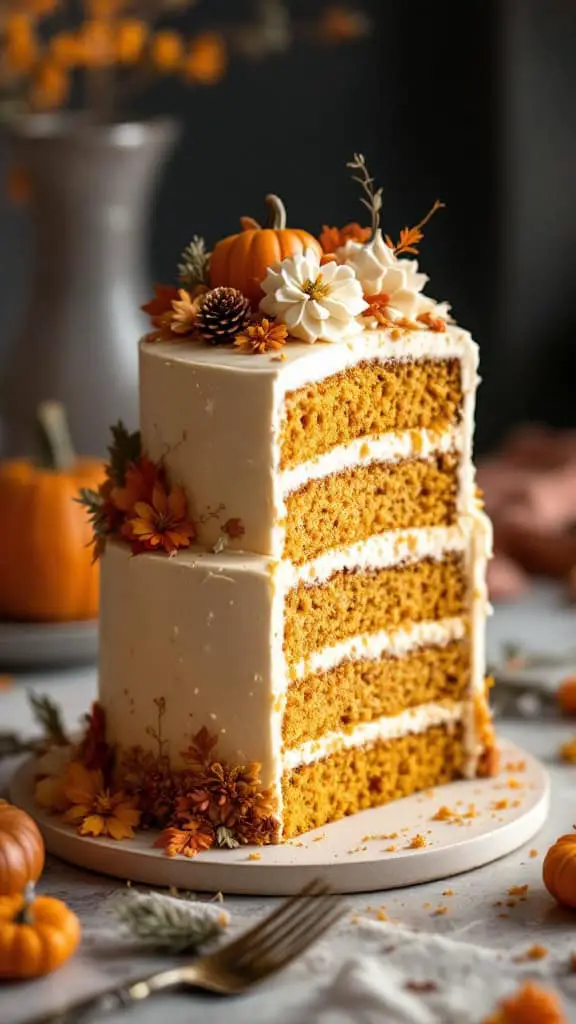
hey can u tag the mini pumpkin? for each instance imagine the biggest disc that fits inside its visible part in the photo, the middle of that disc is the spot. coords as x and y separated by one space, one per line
46 570
241 261
37 935
21 850
559 870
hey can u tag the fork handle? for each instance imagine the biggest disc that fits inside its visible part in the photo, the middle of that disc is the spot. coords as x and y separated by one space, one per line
118 998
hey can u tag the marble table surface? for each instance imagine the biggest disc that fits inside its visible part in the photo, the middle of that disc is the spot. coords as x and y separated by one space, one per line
366 969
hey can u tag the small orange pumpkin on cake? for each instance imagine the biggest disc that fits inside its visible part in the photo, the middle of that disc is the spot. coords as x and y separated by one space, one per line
46 569
242 260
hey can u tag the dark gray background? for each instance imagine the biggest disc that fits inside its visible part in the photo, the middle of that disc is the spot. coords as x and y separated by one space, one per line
470 101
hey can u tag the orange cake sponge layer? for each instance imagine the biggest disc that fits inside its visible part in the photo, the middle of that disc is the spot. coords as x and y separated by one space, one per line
370 398
347 507
349 603
365 690
353 780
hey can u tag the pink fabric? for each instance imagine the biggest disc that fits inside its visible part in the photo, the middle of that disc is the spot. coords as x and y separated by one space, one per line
530 494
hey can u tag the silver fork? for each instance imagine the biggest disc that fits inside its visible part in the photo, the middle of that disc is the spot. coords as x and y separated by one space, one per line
257 954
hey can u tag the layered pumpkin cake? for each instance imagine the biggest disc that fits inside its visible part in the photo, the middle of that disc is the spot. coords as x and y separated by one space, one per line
293 551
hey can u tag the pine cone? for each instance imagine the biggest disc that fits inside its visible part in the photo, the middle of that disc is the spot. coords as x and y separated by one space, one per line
223 314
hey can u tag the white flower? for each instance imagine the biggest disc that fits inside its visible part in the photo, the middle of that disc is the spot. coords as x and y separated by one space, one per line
313 301
380 271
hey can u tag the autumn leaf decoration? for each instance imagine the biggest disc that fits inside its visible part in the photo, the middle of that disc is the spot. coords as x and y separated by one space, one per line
411 237
372 198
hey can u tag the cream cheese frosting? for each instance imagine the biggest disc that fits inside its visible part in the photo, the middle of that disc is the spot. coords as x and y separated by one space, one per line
214 417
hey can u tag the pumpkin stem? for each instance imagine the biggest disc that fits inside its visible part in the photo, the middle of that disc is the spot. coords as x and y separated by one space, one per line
55 436
24 915
277 212
249 224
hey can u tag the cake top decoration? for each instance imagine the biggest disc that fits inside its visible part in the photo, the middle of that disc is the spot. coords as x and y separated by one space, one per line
265 286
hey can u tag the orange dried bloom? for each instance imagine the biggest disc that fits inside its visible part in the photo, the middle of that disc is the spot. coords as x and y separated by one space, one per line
332 238
188 840
139 481
164 295
50 87
566 695
98 811
167 50
531 1004
65 50
20 45
411 237
96 44
163 523
131 36
173 311
434 323
206 60
265 336
234 528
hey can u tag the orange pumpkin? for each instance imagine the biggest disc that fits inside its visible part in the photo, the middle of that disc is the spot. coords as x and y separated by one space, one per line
241 261
37 935
559 871
46 570
21 850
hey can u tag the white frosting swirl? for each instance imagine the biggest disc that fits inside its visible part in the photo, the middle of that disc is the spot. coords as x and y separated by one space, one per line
379 271
314 302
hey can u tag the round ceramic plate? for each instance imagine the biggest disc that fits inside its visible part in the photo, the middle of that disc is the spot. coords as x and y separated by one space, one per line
47 645
369 851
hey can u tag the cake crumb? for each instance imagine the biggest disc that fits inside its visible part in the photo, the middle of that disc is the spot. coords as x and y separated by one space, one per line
417 842
382 915
500 805
255 856
503 915
568 751
318 839
535 952
391 849
515 766
440 911
426 906
444 814
516 803
421 986
514 784
448 892
518 890
533 853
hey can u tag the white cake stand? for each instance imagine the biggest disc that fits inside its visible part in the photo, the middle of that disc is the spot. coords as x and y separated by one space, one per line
350 855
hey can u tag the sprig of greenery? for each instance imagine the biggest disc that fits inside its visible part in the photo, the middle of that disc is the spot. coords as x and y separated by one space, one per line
372 198
124 449
194 264
48 716
167 922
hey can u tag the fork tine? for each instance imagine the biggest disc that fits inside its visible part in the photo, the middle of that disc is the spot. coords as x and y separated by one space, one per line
285 910
261 938
301 942
306 921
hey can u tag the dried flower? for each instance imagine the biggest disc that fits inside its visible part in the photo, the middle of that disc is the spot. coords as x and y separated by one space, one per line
189 840
161 524
173 924
434 323
130 38
234 529
167 51
410 237
206 60
194 264
332 238
264 336
96 810
51 771
140 479
94 751
164 295
372 198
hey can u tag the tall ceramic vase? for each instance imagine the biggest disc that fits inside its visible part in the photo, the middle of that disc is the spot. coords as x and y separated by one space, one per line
91 188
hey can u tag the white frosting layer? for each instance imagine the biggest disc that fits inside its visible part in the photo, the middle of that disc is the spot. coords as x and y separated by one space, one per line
390 447
215 417
413 720
371 646
381 551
